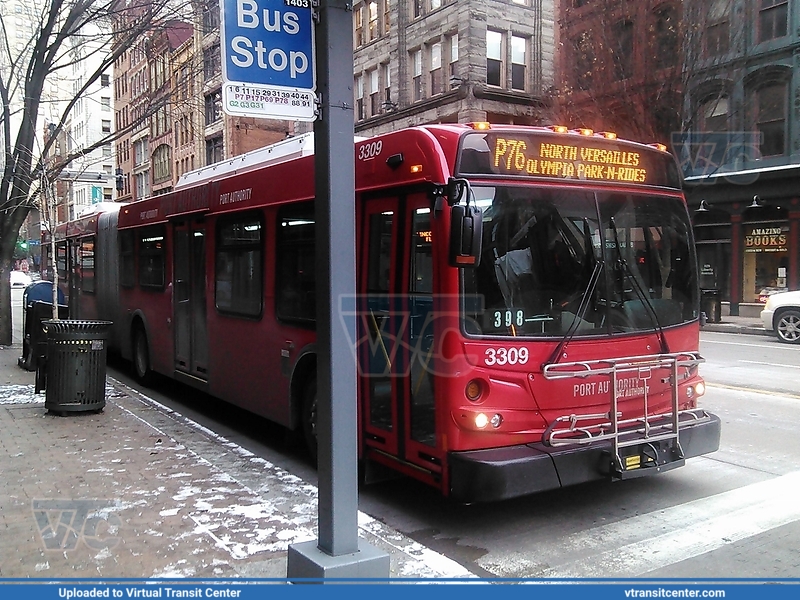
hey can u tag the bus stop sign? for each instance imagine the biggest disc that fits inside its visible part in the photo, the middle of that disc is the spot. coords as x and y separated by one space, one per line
268 64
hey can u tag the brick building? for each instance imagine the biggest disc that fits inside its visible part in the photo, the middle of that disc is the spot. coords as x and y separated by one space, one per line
619 67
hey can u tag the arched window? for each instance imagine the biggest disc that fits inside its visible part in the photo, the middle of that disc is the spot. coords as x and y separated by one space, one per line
713 114
769 117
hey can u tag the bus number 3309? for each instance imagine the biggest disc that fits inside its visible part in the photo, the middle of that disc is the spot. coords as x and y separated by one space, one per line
370 150
505 356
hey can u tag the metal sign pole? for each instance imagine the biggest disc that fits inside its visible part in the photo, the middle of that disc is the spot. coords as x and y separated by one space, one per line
338 553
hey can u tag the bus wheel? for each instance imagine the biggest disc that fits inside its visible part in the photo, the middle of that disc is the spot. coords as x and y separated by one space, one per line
310 419
141 357
788 326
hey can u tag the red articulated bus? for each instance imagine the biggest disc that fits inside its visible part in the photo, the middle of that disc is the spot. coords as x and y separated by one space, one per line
526 313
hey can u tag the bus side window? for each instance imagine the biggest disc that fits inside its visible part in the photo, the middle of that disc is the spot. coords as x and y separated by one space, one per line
239 265
127 271
295 285
152 257
86 263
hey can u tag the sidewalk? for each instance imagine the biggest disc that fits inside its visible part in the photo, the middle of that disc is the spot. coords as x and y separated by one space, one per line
139 491
729 324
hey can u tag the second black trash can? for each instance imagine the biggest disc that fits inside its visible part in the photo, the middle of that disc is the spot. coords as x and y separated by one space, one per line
76 365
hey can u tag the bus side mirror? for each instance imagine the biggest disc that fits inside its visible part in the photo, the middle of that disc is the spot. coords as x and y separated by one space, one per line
466 235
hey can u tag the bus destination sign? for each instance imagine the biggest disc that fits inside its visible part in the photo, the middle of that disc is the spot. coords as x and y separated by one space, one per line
553 157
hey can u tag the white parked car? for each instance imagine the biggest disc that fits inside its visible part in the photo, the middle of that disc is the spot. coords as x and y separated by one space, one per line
19 279
781 315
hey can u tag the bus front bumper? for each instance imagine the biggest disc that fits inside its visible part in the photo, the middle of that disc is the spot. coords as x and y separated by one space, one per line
502 473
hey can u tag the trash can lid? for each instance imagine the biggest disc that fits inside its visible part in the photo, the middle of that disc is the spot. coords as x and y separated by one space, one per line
76 326
42 291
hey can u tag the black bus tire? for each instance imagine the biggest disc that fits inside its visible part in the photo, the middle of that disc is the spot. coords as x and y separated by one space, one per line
310 419
141 357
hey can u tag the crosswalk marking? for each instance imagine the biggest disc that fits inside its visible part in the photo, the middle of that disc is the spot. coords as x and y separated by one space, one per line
702 525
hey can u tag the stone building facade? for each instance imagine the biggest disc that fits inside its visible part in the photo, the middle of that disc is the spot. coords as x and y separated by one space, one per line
450 61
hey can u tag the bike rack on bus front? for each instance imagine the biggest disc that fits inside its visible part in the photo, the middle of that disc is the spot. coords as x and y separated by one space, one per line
647 430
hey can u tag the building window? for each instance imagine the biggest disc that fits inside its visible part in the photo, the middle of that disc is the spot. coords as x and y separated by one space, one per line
105 104
105 125
584 60
358 25
714 114
374 93
718 25
494 58
372 24
519 61
162 165
437 79
666 37
387 83
623 49
213 107
387 12
212 62
417 81
211 17
142 185
214 151
453 66
238 266
360 98
105 80
770 116
772 19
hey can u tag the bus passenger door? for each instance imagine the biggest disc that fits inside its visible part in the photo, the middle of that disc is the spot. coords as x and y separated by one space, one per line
189 298
396 330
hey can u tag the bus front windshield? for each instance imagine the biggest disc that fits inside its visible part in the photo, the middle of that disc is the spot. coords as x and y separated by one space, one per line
561 262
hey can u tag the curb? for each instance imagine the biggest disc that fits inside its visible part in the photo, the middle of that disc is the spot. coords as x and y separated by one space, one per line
733 328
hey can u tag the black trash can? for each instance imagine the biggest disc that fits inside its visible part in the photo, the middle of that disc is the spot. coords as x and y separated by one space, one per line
76 365
711 304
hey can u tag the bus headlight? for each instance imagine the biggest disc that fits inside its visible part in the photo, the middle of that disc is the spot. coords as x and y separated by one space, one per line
481 420
697 390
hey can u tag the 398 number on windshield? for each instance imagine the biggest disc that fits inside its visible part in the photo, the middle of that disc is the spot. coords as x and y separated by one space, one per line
505 356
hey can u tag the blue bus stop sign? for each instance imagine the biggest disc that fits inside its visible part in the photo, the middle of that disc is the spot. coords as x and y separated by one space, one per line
268 63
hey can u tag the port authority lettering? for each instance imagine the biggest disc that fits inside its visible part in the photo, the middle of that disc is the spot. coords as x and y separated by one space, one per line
627 387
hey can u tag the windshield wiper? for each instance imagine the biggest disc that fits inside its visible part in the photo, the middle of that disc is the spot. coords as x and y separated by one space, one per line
643 297
576 320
